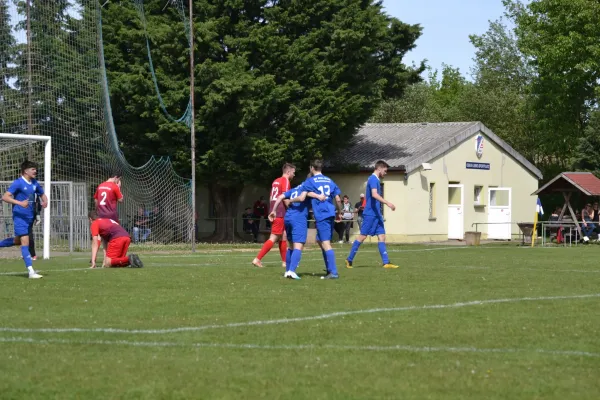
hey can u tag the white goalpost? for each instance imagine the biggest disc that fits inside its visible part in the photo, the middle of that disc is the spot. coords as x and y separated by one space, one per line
16 148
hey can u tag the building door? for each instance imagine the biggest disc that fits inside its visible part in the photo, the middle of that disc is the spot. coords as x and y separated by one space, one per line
456 215
499 214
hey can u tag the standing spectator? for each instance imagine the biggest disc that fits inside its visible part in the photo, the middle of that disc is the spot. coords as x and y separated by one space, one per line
359 207
261 211
250 223
339 228
141 225
347 217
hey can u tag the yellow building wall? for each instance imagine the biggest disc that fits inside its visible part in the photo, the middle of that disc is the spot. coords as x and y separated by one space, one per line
411 221
451 168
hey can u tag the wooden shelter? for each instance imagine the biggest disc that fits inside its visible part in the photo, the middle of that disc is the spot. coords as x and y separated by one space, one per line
568 183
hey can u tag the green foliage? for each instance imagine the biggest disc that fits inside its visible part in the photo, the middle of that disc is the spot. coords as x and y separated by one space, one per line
275 81
560 39
588 149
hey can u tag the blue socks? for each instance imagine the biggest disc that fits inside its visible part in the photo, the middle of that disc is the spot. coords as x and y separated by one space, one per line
330 257
383 252
26 256
8 242
353 251
288 259
325 259
296 256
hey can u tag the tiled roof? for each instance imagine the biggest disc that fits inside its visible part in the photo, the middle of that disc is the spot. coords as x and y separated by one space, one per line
406 146
586 182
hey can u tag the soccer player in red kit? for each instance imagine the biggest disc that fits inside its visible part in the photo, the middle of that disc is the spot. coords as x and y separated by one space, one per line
108 194
118 243
279 186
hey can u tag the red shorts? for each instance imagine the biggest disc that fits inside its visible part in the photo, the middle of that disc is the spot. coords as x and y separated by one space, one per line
117 247
277 227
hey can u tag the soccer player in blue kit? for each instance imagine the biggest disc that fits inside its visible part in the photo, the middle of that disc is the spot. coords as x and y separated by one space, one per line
373 216
295 223
21 194
325 213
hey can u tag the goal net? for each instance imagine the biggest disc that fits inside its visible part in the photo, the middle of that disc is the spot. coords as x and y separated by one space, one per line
14 149
53 83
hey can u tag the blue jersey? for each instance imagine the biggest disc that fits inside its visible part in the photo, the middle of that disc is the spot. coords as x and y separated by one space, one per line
372 206
296 211
320 184
23 190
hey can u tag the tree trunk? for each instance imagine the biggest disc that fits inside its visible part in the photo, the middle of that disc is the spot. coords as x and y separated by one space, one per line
226 203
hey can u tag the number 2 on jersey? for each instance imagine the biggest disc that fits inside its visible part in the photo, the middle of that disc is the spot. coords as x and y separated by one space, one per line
103 200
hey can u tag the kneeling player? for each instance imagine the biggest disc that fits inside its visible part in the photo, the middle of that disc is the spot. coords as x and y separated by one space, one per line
118 243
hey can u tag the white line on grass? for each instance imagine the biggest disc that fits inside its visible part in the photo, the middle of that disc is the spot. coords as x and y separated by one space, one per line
297 319
249 255
252 346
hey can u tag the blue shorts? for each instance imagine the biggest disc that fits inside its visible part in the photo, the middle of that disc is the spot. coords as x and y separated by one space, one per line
296 230
22 225
372 226
325 229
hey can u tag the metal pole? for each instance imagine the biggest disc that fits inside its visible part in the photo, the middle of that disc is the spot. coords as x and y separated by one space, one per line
29 115
192 127
48 191
71 217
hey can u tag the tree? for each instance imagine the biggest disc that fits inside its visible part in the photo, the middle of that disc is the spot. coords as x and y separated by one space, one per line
588 148
8 94
560 38
276 81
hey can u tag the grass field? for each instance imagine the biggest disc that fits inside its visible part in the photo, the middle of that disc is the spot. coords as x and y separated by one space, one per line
497 322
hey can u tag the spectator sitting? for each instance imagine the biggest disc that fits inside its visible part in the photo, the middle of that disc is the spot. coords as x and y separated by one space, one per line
141 225
587 225
556 214
250 223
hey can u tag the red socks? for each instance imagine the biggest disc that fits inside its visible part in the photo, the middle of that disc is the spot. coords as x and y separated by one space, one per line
283 249
265 249
268 245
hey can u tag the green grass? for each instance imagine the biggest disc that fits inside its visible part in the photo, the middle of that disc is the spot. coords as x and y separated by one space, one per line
529 348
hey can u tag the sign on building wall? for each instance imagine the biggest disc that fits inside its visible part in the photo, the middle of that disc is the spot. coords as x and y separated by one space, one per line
479 146
478 165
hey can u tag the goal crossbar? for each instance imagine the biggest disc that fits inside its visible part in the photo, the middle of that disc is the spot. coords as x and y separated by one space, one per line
47 179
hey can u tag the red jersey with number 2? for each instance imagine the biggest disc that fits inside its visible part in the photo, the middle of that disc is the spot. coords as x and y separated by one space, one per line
108 229
279 186
107 195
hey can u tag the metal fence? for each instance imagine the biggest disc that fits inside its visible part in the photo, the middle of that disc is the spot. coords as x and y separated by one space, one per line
69 226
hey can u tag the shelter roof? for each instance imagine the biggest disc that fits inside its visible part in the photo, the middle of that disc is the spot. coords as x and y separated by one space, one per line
584 182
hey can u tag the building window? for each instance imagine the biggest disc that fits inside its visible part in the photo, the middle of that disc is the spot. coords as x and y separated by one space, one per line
432 200
478 195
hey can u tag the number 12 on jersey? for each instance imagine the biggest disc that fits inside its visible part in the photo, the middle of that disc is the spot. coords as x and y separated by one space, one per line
325 190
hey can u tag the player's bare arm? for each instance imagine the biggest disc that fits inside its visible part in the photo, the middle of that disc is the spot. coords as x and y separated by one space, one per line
8 198
300 198
44 200
319 196
278 201
377 197
95 247
338 205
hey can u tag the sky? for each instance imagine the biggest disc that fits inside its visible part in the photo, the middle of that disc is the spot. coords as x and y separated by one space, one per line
447 25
